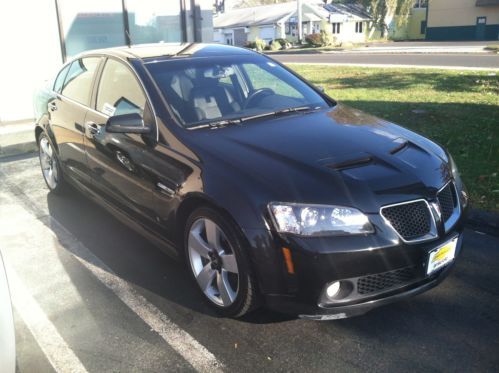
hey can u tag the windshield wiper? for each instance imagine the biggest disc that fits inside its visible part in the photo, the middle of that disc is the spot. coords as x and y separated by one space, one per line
228 122
281 112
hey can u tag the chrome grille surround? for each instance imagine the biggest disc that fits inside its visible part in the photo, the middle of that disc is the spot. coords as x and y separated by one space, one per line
450 207
397 224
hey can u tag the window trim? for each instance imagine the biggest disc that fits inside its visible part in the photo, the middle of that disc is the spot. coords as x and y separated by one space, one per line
65 66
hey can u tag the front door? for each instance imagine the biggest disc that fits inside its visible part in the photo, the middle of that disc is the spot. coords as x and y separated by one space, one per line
481 24
67 114
116 160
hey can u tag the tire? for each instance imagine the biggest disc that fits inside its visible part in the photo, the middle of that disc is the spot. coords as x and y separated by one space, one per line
49 164
212 270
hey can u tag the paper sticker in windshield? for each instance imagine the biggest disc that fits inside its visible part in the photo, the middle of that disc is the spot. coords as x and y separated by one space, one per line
108 109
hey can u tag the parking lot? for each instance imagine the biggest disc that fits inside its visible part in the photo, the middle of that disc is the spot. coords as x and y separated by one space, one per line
91 295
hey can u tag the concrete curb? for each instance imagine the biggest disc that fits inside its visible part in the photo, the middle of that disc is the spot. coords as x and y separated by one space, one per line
484 221
17 149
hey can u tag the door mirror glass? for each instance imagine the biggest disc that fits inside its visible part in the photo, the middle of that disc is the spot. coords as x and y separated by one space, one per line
127 123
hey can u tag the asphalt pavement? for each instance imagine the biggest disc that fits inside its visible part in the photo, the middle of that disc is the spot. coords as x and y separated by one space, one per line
446 60
90 295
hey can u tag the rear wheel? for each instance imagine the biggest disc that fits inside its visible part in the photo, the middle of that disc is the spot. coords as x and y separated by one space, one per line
218 263
49 164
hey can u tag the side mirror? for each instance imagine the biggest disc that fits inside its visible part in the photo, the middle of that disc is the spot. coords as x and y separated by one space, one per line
127 123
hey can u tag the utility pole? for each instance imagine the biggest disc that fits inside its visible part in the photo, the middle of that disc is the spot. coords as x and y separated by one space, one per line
300 29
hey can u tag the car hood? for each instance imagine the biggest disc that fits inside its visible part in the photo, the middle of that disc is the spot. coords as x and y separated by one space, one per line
335 156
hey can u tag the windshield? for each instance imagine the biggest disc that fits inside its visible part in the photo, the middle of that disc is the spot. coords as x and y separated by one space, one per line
215 89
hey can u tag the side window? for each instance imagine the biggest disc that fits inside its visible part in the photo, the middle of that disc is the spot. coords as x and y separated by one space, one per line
59 81
119 91
78 83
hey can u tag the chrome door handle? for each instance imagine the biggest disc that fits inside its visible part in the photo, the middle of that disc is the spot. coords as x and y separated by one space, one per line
93 129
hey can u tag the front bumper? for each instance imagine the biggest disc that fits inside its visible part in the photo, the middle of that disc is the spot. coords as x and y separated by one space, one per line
320 261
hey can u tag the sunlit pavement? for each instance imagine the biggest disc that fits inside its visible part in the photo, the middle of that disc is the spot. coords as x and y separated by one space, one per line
91 295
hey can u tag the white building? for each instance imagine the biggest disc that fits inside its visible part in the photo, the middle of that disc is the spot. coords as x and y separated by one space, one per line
36 36
280 21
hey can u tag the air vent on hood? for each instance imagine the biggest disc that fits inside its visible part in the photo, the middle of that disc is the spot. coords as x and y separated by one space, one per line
399 147
350 163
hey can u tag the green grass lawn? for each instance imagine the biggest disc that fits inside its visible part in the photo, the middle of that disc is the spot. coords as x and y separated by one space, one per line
459 110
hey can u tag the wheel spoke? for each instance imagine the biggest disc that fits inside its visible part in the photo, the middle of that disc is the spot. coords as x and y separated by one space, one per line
229 263
212 234
54 172
45 147
197 243
206 276
226 293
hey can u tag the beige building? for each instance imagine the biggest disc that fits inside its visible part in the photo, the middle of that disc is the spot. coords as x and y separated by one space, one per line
463 20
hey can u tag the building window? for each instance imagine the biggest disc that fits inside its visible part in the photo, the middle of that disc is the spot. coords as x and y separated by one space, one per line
92 24
359 27
423 27
336 28
96 24
154 21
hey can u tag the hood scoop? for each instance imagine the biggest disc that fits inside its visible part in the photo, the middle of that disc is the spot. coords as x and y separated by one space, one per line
401 145
350 163
346 161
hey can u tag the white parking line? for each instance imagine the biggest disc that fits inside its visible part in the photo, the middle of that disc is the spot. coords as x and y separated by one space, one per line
58 353
182 342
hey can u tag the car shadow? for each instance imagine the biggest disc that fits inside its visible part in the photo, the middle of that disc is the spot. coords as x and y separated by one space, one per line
133 258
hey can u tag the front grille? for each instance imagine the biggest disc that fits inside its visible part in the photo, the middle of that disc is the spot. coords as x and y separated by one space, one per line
447 200
410 220
386 280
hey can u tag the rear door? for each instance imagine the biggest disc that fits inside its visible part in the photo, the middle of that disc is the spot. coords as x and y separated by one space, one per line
67 112
117 164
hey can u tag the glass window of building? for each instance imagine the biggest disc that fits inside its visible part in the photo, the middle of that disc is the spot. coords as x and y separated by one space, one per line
154 21
91 24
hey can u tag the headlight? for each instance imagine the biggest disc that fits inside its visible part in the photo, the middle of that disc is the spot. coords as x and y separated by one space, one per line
461 189
318 220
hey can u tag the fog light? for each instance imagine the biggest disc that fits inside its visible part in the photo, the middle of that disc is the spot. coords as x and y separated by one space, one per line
333 289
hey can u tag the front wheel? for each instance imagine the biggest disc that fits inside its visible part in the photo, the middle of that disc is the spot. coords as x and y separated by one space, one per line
49 164
219 264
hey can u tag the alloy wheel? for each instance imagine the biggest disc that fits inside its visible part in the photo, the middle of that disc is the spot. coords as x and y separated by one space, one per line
213 262
48 163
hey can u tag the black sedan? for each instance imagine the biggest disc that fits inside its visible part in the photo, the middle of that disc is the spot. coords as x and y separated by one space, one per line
272 192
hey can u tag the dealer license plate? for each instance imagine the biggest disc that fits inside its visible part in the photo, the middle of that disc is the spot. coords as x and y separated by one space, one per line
442 255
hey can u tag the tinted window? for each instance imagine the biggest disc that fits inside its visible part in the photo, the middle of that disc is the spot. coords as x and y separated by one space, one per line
78 83
59 81
219 88
119 91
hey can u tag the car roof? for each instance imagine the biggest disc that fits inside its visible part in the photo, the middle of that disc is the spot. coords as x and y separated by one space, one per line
166 50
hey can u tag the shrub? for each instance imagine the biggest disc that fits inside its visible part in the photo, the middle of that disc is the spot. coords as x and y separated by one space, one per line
284 43
314 40
250 45
327 38
275 46
260 44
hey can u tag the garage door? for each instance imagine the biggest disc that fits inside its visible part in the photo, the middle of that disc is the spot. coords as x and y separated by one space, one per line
267 33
